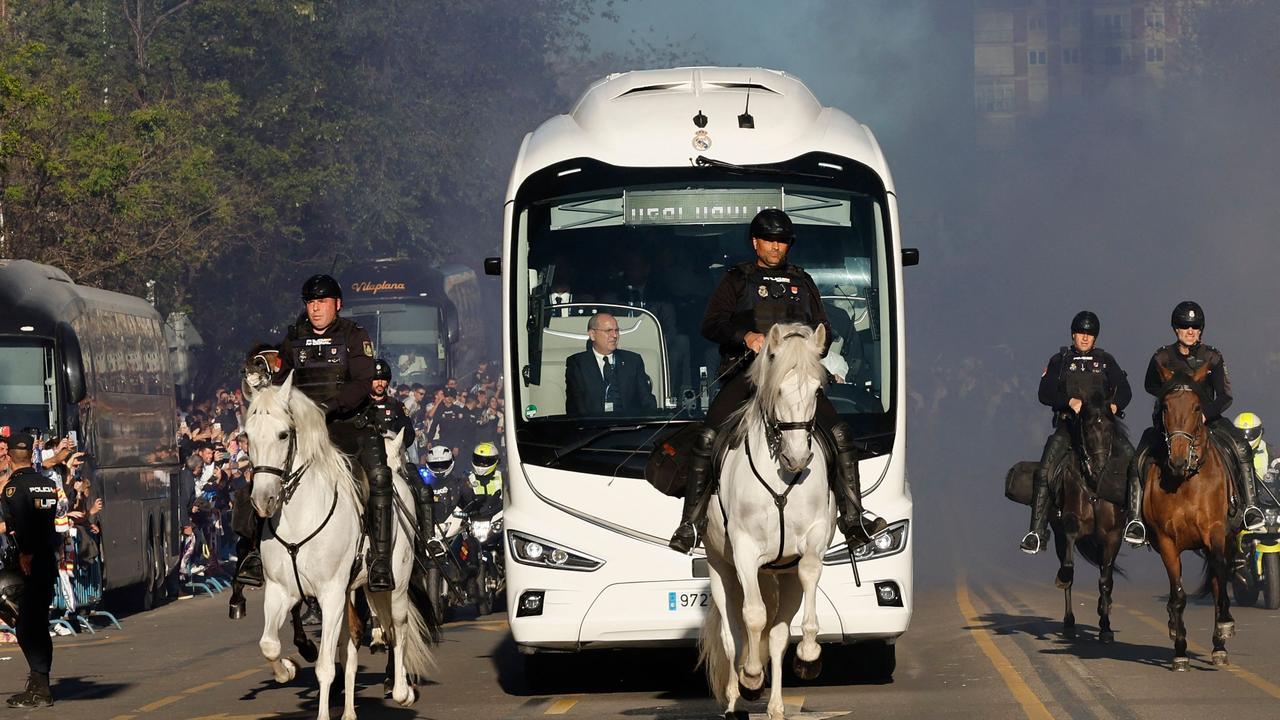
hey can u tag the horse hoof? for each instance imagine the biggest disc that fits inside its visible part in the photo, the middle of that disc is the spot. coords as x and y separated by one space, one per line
807 670
238 609
307 650
387 686
410 697
751 694
1065 577
736 715
288 670
1224 630
1220 658
1181 664
1106 637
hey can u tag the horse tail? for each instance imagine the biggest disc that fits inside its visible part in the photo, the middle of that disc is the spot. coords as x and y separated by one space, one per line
415 643
711 653
1092 551
431 619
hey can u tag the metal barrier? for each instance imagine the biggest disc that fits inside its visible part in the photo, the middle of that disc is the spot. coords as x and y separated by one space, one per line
86 590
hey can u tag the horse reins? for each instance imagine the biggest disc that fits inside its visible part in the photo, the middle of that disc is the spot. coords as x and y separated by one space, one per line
290 480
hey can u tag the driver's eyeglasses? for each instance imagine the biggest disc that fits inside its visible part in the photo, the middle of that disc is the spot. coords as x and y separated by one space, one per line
608 331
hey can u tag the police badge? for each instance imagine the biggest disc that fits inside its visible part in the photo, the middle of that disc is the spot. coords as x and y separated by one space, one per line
368 348
762 291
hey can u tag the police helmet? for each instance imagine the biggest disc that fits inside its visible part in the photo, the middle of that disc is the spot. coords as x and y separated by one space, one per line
440 461
484 460
1251 425
1086 322
381 370
773 224
1187 315
318 287
11 586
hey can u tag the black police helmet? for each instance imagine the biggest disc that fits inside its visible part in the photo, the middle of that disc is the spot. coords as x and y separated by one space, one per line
772 224
321 286
1187 315
381 370
11 586
1086 322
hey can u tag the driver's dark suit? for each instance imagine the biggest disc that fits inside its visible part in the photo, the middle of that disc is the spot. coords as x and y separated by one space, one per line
1069 374
753 299
335 368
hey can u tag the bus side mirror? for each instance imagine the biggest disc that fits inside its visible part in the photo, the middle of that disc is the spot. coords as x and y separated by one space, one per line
910 256
493 266
72 365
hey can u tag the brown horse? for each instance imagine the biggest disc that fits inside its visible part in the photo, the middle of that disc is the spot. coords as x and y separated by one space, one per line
1185 507
1087 521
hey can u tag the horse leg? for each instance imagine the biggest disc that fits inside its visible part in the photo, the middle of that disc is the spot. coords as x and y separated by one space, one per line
787 602
352 632
1066 544
746 561
331 619
1224 625
276 602
808 660
306 648
401 691
726 597
1106 582
1172 558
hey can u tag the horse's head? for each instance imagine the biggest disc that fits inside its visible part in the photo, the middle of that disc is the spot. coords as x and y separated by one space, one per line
1097 429
273 444
788 380
1182 415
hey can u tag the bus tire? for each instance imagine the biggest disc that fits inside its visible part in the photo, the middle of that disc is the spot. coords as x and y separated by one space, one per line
1271 580
484 603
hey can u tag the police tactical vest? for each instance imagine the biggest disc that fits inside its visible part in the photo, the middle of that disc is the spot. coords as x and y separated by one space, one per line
775 295
320 361
1082 374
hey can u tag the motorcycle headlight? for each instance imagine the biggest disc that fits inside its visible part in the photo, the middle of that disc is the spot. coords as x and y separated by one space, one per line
481 529
530 550
891 542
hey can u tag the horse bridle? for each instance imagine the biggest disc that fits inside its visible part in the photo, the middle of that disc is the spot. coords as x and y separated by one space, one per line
773 429
1194 458
289 479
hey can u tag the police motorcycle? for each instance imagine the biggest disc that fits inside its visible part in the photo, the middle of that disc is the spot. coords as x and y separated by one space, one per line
1258 551
479 548
444 572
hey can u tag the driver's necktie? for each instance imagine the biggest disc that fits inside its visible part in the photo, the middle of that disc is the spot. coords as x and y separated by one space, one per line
610 382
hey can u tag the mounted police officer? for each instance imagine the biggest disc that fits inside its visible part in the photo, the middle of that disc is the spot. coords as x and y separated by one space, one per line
386 411
30 502
1187 356
751 298
1071 374
331 359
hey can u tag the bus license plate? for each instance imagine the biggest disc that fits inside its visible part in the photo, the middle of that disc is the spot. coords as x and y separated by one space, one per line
681 600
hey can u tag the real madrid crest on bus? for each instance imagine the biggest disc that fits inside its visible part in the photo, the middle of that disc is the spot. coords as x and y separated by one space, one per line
702 141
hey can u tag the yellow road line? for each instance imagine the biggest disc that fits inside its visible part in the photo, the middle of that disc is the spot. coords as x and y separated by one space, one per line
561 706
243 674
1018 687
202 688
123 717
1261 683
796 701
169 700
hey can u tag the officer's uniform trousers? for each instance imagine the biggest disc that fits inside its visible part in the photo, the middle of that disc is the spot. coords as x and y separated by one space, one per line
33 614
362 444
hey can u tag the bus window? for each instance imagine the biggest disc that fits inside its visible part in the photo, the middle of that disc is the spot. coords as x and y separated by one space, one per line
408 336
27 385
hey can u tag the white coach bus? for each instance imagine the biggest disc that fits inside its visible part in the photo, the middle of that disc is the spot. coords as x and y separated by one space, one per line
636 203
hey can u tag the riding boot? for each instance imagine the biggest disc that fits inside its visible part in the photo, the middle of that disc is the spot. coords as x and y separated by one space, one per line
379 519
1135 533
248 570
693 516
846 486
1036 538
1252 516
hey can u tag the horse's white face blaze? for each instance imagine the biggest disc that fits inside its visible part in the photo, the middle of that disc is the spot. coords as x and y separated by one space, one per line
798 403
268 433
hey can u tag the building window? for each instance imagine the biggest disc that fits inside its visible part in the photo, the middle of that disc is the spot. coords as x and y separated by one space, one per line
1037 57
994 97
1035 23
1113 25
1155 53
1070 56
1155 20
1114 55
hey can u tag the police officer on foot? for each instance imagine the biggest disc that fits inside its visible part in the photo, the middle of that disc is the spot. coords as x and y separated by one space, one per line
751 298
30 502
1071 374
1188 355
331 359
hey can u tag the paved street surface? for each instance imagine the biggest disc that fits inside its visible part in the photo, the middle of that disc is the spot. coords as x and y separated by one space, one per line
984 643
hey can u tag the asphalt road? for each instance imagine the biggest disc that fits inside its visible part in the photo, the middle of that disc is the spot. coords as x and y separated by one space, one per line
985 642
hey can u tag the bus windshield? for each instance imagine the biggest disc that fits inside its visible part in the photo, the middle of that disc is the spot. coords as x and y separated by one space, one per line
650 256
406 335
27 385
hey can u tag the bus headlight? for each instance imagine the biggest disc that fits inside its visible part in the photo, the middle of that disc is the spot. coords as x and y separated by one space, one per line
530 550
891 542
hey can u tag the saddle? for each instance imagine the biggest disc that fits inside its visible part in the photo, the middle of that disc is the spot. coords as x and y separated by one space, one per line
667 469
1020 480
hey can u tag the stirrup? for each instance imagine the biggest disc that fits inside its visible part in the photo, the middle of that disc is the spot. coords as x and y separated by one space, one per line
680 544
1259 521
1026 545
1135 533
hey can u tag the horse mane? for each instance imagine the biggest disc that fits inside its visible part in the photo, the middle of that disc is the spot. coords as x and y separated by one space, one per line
314 445
1099 403
770 368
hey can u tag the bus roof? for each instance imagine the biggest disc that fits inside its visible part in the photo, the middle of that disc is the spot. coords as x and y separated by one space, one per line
39 296
646 118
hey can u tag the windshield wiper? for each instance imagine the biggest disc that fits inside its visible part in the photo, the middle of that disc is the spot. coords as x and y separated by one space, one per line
704 161
579 444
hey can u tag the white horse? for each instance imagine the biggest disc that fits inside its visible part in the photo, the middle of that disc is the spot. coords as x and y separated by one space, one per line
768 526
306 487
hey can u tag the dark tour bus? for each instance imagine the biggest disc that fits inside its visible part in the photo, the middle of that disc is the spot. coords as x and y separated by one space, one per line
94 365
426 322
